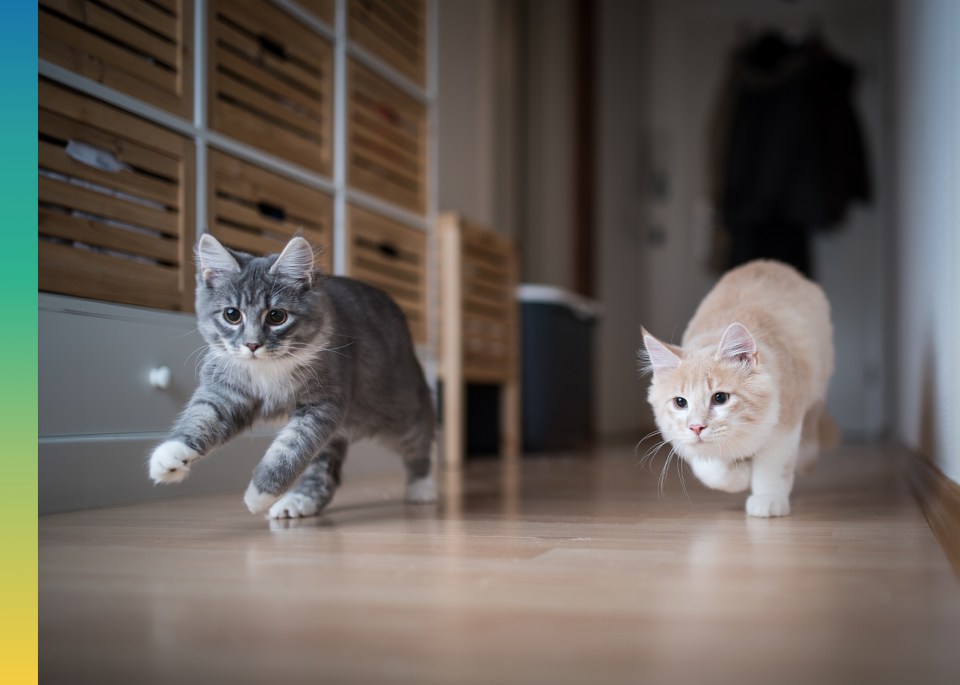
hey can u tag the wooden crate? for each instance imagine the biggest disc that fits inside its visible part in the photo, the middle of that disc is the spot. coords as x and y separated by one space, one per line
123 235
393 30
480 328
386 141
393 257
271 82
258 211
140 47
322 9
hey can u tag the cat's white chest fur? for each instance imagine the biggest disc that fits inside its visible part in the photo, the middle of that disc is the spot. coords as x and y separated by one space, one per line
273 382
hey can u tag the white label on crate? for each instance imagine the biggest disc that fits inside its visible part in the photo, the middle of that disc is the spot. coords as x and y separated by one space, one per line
96 157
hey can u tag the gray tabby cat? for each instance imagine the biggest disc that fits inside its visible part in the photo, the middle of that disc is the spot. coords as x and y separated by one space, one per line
332 356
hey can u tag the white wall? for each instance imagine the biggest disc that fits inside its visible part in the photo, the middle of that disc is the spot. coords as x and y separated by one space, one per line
547 233
620 404
928 218
480 160
466 107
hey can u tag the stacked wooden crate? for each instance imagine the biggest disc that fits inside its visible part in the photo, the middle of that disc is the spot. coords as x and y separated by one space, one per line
161 119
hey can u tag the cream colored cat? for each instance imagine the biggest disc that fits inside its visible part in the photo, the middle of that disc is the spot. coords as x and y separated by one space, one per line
742 400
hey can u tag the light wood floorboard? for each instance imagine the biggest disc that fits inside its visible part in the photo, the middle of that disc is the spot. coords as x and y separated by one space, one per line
566 569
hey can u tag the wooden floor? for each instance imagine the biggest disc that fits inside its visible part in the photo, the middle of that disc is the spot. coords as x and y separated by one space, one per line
572 569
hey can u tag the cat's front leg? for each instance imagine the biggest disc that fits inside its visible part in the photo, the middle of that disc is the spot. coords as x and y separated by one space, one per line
307 432
722 475
210 419
772 475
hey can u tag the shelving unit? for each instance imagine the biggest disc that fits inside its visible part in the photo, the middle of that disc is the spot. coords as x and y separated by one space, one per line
250 119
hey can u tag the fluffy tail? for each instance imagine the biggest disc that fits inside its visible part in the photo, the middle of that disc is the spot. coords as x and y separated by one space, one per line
829 432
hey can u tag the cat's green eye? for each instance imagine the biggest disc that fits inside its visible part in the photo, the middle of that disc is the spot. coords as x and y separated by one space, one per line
721 397
275 317
680 402
232 315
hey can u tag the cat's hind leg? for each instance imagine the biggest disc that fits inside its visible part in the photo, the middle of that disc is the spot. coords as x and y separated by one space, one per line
316 486
722 475
415 447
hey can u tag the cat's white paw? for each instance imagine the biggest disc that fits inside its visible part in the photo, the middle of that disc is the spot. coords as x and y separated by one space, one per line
422 491
293 505
767 506
170 462
257 502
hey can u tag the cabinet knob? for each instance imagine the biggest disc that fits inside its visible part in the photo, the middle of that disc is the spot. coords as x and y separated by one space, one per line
160 377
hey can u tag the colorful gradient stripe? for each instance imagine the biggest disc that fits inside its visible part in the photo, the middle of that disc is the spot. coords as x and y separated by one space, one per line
18 330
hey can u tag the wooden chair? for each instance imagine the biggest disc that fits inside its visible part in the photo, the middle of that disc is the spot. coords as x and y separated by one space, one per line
479 331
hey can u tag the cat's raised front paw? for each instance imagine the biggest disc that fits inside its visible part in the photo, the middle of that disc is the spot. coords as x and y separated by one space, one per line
170 462
767 506
294 505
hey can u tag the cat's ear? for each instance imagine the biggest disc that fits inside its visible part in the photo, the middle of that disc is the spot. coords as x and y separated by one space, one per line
660 356
296 261
215 260
737 344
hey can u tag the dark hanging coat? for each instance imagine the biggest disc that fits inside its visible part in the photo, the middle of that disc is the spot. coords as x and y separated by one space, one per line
791 157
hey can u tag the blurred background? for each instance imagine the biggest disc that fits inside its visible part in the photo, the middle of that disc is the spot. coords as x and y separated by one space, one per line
612 140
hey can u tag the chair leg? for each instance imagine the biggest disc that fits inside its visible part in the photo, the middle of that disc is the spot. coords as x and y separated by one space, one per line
454 440
510 419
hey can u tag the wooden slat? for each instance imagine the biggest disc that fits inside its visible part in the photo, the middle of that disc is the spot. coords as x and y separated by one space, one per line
402 277
57 225
280 105
393 33
382 92
404 168
500 291
107 118
263 18
410 269
255 244
88 274
387 19
312 103
73 197
321 8
485 299
238 123
412 283
308 81
246 241
65 129
365 118
389 47
133 38
236 90
148 14
386 146
54 158
238 186
174 7
85 44
304 206
374 183
234 212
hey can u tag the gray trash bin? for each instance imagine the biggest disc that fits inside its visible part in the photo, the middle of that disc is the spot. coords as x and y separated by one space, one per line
557 367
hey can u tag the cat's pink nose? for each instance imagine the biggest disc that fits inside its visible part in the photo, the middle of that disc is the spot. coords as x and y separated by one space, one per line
696 428
254 346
